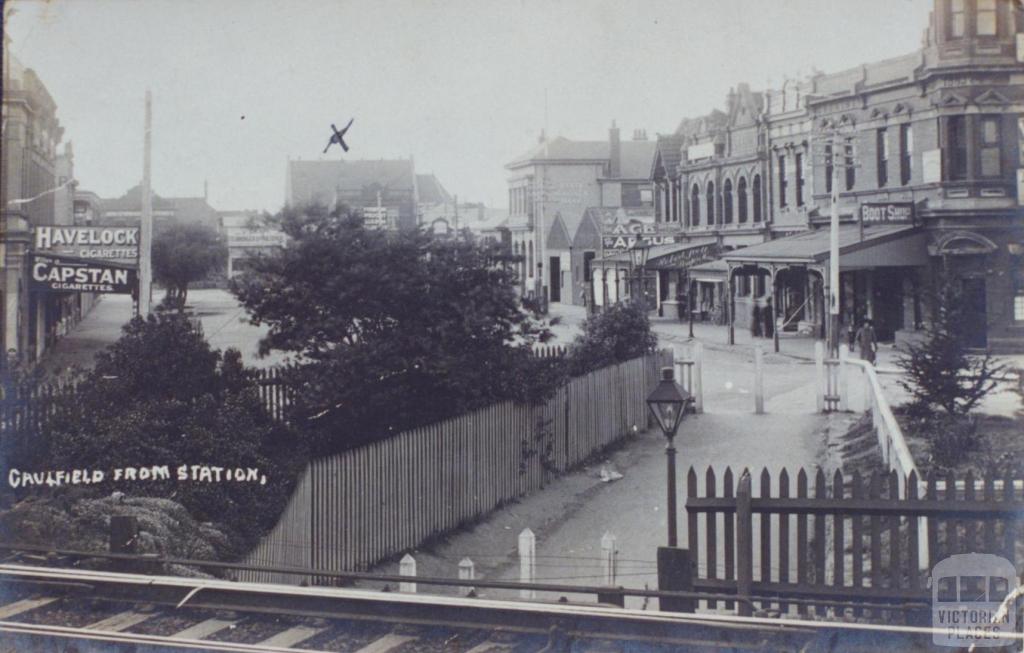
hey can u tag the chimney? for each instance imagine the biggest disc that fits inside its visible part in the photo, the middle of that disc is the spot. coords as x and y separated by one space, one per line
206 190
614 152
543 137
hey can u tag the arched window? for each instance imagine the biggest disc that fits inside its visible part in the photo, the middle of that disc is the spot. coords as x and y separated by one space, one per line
741 199
695 205
711 203
756 192
727 201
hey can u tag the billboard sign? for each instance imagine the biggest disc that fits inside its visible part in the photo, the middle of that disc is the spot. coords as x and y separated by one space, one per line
115 244
621 237
57 274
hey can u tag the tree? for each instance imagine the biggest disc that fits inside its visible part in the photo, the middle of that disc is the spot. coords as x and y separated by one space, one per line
622 332
391 330
941 370
184 253
161 396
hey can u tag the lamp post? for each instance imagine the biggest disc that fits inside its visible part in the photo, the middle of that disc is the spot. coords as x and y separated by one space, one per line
668 404
638 252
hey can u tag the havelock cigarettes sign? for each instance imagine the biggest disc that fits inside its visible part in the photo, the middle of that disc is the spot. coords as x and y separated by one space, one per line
115 244
55 274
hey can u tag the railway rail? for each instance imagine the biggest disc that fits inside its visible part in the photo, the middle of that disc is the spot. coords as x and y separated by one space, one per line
48 608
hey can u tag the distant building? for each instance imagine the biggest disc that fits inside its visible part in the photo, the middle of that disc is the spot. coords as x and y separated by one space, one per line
126 211
550 189
384 191
248 236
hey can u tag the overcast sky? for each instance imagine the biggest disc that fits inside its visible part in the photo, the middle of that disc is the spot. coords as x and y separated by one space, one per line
239 86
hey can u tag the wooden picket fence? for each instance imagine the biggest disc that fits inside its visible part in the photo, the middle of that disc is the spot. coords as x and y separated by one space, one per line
27 409
550 351
354 509
867 541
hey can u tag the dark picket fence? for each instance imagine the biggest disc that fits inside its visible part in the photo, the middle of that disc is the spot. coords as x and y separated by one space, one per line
829 541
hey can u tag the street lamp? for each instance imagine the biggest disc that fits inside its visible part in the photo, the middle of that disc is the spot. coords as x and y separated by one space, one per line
668 404
637 260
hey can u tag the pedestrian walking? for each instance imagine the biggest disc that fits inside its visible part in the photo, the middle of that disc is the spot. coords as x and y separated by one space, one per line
866 341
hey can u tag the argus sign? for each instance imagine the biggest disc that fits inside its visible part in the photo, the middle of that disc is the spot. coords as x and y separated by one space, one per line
623 236
54 274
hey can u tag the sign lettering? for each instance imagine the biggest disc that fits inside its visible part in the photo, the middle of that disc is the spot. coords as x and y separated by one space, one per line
55 274
892 212
119 244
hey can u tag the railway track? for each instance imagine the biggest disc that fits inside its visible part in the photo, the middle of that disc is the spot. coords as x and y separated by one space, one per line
73 610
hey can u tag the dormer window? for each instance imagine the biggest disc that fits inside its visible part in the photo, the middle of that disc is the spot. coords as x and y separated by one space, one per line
957 19
987 23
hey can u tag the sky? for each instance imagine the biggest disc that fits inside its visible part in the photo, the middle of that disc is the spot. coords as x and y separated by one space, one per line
241 86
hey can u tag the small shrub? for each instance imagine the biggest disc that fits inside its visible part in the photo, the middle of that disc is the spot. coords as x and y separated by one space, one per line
621 333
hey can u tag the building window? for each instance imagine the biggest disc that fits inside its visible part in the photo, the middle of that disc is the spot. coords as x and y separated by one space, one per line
695 206
957 18
782 181
1018 308
711 203
529 262
727 201
987 21
956 146
906 148
756 193
882 156
646 196
990 166
741 199
798 162
829 168
851 172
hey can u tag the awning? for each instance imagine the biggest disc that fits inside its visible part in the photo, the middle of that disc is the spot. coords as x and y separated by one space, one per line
712 272
672 255
881 246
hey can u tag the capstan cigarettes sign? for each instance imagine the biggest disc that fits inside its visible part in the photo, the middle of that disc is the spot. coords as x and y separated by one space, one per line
118 244
54 274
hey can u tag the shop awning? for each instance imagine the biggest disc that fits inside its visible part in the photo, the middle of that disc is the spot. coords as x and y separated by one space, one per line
672 255
881 246
712 272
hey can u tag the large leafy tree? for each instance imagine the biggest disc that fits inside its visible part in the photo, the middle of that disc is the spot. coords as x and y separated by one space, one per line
184 253
390 330
941 371
161 396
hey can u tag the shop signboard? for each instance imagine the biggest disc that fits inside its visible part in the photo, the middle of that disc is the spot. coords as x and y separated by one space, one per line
689 257
887 213
115 244
620 237
61 274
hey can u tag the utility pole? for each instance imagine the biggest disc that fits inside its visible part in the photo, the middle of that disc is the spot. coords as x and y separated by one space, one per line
146 236
833 255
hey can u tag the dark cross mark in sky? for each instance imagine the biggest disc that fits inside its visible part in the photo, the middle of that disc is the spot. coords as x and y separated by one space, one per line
338 137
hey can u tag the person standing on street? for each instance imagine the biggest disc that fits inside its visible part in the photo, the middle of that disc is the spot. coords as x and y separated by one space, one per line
866 341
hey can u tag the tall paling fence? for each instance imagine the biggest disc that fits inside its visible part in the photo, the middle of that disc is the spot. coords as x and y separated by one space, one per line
844 546
354 509
550 351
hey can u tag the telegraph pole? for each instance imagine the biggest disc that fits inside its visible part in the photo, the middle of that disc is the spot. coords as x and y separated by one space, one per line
146 235
833 256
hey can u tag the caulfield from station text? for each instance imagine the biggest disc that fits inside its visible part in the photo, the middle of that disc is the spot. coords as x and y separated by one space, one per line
17 478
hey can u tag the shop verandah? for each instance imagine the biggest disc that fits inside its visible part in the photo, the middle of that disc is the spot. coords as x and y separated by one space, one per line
782 286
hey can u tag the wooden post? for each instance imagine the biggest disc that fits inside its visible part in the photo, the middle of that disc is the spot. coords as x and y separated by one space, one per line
758 380
678 360
675 573
698 377
467 571
527 562
407 567
819 367
844 385
744 547
608 559
693 289
776 309
730 307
